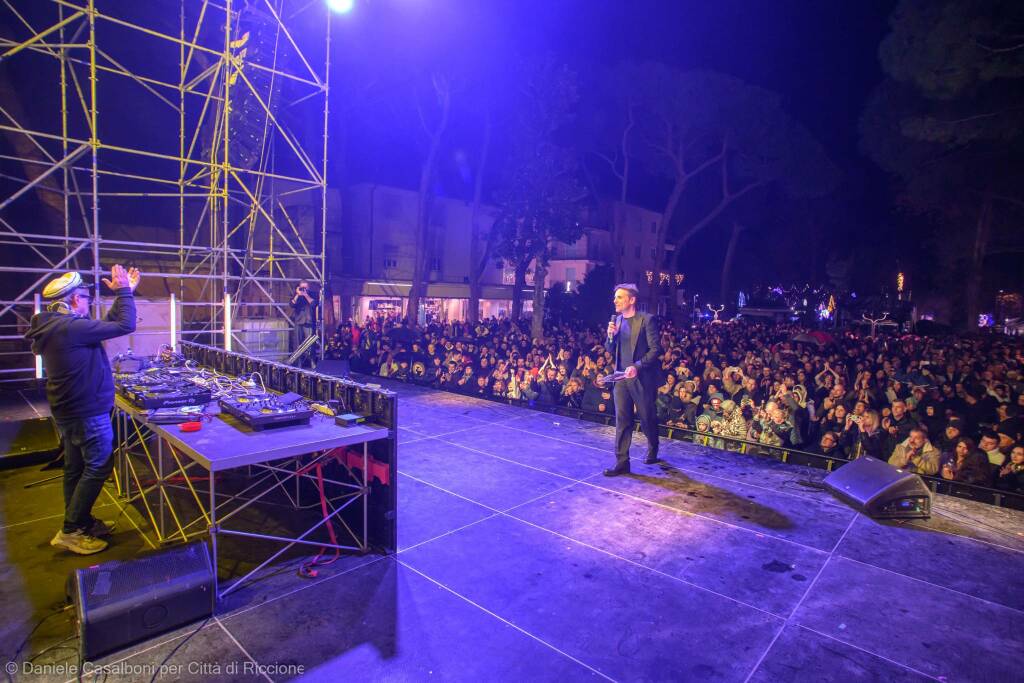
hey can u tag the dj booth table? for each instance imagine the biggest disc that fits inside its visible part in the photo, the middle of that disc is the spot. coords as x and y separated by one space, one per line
154 461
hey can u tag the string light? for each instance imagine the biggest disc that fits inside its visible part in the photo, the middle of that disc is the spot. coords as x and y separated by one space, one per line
679 278
662 278
650 276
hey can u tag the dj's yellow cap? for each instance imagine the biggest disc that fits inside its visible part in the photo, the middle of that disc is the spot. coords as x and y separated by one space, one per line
60 287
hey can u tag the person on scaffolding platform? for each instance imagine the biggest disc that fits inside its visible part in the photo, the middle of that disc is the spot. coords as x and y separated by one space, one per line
633 340
80 391
303 315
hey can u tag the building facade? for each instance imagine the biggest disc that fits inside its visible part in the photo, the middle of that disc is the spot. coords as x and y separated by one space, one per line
372 253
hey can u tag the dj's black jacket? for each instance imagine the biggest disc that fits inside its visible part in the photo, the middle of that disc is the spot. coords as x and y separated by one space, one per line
79 381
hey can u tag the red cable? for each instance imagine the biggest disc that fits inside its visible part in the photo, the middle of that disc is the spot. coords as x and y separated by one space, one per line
307 570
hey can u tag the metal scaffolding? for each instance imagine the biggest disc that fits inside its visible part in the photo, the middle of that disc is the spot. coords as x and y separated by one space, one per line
186 137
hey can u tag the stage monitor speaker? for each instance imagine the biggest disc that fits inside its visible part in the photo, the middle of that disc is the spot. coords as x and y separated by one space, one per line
880 490
333 367
125 601
24 442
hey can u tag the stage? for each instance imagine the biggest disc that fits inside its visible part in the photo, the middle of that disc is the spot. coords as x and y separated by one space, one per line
519 561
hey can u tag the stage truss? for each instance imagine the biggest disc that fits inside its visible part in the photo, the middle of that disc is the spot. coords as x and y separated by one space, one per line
185 137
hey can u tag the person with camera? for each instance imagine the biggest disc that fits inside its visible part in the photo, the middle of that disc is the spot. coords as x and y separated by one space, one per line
80 391
303 314
862 436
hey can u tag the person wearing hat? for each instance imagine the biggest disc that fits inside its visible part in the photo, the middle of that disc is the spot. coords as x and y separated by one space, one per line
80 391
633 341
953 431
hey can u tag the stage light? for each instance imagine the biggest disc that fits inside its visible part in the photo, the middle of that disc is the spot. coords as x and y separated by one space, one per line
341 6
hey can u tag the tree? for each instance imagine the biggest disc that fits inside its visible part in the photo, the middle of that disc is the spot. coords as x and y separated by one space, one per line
560 306
480 249
594 295
730 253
609 133
538 203
681 125
947 126
433 117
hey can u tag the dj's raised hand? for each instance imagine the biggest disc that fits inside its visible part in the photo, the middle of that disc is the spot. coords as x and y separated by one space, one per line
118 278
134 276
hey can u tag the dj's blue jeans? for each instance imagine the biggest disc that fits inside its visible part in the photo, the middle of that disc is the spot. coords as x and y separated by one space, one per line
88 447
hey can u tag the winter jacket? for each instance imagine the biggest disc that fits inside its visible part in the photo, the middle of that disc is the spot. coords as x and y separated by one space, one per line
79 381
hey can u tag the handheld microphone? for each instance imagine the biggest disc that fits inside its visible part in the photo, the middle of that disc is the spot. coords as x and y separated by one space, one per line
612 321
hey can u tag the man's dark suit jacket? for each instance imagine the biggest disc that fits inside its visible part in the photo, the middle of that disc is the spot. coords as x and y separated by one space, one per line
645 343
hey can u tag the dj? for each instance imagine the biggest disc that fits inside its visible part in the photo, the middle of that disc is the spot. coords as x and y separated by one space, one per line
80 390
633 341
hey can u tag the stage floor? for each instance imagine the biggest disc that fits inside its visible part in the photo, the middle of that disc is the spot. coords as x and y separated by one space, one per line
518 561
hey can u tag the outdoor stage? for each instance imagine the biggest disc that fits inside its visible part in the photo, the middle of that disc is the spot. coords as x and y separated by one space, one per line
519 561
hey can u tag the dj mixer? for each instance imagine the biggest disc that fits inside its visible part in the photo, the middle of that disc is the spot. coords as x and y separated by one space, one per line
260 412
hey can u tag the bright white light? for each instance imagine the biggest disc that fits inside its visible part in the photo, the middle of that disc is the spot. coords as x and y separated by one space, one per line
227 321
341 6
36 307
174 323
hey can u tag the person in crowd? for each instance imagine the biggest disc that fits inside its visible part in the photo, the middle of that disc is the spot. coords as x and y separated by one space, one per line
80 391
734 425
1010 477
863 436
953 431
829 445
954 386
966 464
916 454
899 422
989 443
1010 425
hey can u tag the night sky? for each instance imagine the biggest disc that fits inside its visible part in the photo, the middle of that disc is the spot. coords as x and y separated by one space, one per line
821 57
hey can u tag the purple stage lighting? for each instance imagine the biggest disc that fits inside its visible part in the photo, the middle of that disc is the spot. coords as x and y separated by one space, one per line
341 6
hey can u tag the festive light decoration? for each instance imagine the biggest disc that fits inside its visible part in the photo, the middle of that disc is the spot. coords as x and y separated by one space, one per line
662 278
831 304
650 276
899 282
679 278
716 311
874 321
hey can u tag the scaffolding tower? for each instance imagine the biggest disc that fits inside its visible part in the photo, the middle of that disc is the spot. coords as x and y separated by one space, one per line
185 137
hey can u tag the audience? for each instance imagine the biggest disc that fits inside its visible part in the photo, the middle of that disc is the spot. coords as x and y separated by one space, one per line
916 402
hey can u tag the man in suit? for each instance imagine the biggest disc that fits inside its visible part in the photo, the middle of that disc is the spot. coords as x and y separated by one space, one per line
633 342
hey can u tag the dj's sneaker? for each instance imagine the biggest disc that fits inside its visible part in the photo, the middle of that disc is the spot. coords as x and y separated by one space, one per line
99 529
78 542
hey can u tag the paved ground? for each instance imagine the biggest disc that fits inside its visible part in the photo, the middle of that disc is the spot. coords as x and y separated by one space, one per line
518 561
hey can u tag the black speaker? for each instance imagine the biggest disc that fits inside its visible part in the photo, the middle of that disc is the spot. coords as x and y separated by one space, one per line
25 441
124 601
880 490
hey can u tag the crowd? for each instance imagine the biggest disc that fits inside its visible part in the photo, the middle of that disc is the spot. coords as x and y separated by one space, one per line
950 407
